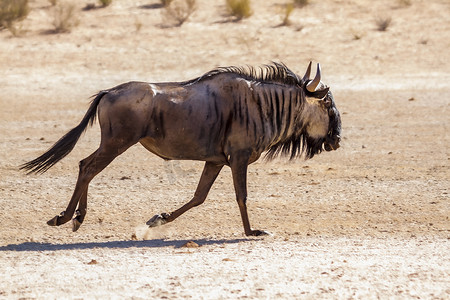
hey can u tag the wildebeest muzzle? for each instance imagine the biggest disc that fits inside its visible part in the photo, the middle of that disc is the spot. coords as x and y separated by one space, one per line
332 143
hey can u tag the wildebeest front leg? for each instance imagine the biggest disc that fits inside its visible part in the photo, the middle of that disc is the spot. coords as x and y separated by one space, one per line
209 175
239 165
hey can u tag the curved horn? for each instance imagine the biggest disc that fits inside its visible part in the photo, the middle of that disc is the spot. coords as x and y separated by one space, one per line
311 87
308 73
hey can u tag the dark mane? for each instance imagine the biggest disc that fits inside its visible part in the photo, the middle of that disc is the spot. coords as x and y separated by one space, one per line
273 73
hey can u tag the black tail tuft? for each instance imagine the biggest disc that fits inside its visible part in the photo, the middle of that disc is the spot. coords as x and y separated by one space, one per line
65 144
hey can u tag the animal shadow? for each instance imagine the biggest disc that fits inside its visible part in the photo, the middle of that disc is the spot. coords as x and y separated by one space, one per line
156 243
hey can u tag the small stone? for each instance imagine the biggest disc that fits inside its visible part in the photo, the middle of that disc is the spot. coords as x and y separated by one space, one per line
191 244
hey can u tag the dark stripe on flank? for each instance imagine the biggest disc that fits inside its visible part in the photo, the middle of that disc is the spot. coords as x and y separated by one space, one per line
161 124
261 114
278 111
241 116
247 117
216 107
288 115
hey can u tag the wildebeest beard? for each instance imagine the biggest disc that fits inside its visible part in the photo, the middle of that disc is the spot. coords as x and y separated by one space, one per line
296 146
312 146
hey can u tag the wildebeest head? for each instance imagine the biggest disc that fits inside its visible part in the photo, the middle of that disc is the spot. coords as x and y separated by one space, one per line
324 127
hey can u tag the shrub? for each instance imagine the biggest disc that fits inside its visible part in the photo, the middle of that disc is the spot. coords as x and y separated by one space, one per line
137 24
383 23
179 12
12 11
166 3
239 9
105 3
301 3
404 3
65 18
357 34
288 9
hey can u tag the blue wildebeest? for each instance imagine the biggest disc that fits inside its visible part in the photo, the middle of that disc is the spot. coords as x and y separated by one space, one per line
227 117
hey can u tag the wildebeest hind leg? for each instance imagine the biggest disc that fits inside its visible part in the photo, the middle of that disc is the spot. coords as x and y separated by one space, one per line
209 175
88 169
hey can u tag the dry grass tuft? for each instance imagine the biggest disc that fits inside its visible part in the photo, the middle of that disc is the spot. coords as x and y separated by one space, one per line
178 12
12 11
301 3
105 3
166 3
288 9
404 3
383 23
240 9
137 24
64 17
357 34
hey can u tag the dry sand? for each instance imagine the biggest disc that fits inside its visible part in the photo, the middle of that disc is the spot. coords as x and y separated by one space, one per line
370 220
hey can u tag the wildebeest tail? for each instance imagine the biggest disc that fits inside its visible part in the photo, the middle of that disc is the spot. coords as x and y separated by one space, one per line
65 144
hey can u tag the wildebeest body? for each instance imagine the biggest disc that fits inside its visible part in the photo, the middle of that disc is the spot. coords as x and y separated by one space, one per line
212 118
228 116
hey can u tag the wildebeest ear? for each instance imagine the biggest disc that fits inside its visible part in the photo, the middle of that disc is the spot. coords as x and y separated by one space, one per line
328 102
320 94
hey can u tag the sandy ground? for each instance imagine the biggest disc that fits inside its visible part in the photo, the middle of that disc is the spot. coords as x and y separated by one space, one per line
368 221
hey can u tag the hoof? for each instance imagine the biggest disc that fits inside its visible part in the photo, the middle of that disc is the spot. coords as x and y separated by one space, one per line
75 224
259 233
53 222
157 220
56 221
